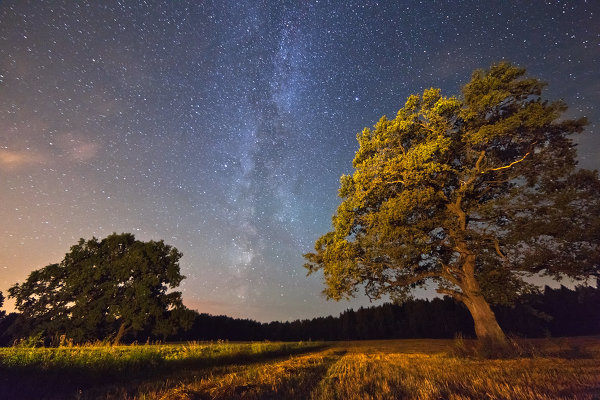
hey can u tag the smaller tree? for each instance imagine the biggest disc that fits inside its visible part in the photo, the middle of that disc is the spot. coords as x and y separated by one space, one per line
104 289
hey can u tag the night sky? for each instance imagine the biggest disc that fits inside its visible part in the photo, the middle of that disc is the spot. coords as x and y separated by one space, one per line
223 127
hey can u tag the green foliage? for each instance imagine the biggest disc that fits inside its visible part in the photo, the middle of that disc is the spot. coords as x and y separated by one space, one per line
104 289
473 193
35 340
121 358
96 371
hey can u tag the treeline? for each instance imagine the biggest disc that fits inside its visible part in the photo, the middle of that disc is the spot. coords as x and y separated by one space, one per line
554 312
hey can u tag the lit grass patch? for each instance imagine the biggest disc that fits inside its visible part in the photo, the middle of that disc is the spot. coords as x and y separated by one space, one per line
429 377
118 358
396 369
27 372
292 378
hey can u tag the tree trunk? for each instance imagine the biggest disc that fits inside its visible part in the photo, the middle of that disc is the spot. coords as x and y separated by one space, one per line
486 326
120 334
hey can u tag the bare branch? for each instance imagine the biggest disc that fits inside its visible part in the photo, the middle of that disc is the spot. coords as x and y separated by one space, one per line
497 247
509 165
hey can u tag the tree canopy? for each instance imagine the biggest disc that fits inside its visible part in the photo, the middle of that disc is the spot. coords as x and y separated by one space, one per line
473 193
104 289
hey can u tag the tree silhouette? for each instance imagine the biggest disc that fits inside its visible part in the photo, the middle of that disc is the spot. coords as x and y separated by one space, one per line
103 289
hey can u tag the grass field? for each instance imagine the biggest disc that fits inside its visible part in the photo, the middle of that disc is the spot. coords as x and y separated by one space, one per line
396 369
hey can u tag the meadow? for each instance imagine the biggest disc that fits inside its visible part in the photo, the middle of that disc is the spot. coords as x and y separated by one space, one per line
565 368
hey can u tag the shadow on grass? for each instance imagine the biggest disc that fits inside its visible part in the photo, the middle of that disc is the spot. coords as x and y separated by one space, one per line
520 348
68 382
302 383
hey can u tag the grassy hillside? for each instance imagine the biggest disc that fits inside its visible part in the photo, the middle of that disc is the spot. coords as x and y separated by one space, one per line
420 369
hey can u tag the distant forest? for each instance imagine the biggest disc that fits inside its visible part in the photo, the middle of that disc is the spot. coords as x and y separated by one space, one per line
554 312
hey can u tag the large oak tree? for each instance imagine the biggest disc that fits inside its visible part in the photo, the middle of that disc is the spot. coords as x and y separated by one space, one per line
104 289
472 193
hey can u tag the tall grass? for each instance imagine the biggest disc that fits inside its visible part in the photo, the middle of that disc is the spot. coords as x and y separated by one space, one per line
118 358
66 370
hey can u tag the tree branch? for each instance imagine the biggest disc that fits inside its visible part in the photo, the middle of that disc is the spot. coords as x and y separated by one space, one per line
497 247
398 181
451 273
479 160
458 211
416 278
422 125
464 184
507 166
452 293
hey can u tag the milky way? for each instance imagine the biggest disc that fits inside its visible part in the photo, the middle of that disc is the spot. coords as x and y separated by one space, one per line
223 127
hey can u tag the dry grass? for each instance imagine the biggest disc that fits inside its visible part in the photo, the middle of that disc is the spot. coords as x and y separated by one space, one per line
408 369
394 369
428 377
292 378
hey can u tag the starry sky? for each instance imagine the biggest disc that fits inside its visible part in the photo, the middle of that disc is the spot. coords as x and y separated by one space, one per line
223 127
